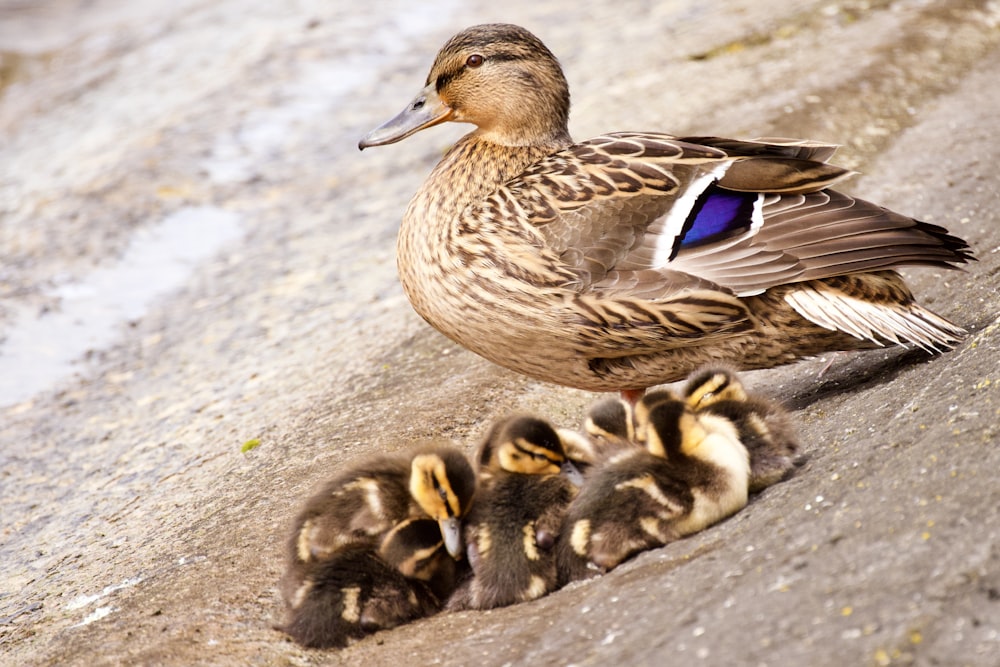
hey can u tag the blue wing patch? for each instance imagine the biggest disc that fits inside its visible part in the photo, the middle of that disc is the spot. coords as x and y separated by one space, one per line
717 214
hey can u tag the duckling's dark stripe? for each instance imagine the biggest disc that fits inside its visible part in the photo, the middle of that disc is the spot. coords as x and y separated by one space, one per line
719 382
538 451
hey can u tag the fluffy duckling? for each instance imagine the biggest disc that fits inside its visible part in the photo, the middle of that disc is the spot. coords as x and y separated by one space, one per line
416 548
512 528
692 473
607 430
361 589
581 450
610 420
363 503
764 427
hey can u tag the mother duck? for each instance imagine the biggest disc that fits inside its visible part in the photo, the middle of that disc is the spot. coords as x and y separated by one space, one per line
633 258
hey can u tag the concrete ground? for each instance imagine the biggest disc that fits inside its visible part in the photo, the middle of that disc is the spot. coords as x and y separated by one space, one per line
196 256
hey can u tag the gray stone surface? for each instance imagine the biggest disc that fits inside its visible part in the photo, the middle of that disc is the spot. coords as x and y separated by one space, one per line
135 531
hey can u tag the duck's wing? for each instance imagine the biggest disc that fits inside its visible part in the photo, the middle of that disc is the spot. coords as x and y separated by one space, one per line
649 215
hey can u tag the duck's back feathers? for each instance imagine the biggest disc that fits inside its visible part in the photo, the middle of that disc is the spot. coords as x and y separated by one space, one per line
619 208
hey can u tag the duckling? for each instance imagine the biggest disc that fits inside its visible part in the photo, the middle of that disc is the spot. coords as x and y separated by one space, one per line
512 528
693 472
581 450
361 504
361 589
415 548
607 430
705 451
609 420
764 427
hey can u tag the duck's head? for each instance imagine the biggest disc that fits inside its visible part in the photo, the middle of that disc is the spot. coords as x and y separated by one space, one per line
712 385
497 76
443 483
525 445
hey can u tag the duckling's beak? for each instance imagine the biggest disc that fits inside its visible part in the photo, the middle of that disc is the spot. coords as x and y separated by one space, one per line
451 531
572 473
425 110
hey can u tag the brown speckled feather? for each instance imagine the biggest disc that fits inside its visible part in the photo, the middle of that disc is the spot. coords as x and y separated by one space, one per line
633 258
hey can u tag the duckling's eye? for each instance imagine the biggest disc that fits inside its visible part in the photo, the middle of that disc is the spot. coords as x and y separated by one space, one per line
475 60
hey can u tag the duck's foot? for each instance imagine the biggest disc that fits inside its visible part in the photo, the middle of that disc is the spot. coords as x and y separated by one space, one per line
829 364
632 396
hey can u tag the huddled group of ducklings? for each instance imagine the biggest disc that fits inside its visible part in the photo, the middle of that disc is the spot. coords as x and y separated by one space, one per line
401 537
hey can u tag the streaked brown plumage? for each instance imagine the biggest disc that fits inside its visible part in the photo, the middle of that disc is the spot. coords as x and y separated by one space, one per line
692 473
512 528
602 265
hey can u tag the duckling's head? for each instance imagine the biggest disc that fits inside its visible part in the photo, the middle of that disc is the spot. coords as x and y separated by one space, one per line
442 482
670 428
642 408
608 419
522 444
415 547
712 385
580 449
497 76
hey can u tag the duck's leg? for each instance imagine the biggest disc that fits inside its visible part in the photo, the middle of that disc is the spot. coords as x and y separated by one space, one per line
632 396
829 363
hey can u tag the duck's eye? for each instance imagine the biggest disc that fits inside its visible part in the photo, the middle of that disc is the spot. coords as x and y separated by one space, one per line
475 60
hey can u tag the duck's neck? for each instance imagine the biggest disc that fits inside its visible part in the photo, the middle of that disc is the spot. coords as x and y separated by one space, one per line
470 171
436 246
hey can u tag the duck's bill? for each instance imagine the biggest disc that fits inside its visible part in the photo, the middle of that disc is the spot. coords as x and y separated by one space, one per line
425 110
572 473
451 531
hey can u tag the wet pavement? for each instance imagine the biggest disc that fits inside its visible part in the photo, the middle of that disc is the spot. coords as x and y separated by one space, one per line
195 255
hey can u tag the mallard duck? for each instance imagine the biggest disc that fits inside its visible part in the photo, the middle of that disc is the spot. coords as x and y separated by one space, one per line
764 427
692 473
362 588
364 502
511 531
631 259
